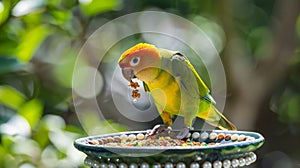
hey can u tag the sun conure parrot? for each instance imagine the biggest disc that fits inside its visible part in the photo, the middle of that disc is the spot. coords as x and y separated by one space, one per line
174 84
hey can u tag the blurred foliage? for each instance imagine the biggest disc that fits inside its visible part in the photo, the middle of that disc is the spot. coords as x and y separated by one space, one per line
39 41
37 55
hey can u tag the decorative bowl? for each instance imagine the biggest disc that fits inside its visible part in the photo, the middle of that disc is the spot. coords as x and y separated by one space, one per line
214 148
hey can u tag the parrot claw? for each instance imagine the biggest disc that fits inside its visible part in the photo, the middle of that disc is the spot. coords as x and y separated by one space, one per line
158 129
184 132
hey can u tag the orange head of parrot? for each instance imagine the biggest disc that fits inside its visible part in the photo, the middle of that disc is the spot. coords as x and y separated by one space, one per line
137 59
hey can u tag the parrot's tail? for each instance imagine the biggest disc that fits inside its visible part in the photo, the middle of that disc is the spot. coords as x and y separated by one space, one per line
215 118
224 123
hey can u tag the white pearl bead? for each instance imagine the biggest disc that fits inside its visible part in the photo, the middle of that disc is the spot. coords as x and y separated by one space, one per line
133 165
204 135
140 136
234 137
169 165
248 160
241 137
111 165
217 164
124 137
226 163
213 135
180 165
88 162
235 163
122 165
194 165
253 157
156 165
207 164
103 165
242 162
96 165
145 165
196 135
132 137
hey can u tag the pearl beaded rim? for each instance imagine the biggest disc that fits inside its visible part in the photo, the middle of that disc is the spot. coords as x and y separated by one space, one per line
193 139
217 149
226 163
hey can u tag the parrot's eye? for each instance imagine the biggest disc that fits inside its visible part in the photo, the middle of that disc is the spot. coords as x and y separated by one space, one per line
135 61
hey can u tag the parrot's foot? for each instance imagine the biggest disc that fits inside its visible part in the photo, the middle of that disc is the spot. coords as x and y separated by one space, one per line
184 132
158 129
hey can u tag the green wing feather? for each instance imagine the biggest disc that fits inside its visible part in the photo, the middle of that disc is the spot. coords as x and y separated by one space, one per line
146 87
189 77
193 85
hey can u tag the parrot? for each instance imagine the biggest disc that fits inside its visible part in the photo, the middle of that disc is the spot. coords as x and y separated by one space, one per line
175 86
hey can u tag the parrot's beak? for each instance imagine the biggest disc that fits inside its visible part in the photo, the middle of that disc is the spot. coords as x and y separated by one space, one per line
128 73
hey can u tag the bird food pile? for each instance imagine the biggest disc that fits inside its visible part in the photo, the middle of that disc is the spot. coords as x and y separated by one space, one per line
135 92
196 139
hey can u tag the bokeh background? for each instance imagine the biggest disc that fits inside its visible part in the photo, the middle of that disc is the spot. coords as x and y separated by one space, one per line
258 43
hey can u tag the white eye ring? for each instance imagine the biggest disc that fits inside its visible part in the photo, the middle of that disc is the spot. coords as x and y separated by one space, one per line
135 61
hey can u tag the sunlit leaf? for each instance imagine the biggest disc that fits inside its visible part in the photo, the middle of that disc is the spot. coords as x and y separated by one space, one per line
17 125
94 126
73 129
94 7
25 147
32 111
11 97
41 136
30 42
4 10
6 142
60 17
2 153
32 20
25 7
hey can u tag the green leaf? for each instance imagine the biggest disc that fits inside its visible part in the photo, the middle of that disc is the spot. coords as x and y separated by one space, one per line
41 135
32 111
94 7
73 129
2 153
4 10
6 142
60 17
30 42
11 97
